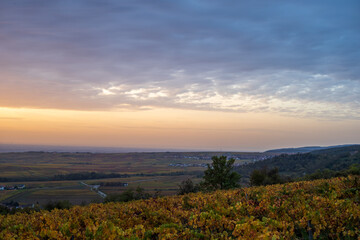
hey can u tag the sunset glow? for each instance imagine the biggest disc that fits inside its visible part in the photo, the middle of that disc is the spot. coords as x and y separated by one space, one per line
169 129
180 75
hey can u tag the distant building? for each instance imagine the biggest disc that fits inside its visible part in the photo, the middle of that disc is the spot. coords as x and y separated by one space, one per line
21 186
2 188
31 205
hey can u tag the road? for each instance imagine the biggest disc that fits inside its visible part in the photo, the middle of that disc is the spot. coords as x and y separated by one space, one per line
144 180
95 188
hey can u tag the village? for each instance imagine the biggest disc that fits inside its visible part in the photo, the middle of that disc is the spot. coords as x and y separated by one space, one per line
248 158
15 187
240 156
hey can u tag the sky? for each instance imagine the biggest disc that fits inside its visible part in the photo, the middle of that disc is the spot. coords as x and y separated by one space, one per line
209 75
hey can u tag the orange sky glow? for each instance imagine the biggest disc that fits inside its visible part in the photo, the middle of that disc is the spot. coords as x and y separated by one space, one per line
169 128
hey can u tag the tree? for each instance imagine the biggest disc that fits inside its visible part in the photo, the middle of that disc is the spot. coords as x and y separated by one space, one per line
128 195
265 176
219 174
65 204
187 186
257 177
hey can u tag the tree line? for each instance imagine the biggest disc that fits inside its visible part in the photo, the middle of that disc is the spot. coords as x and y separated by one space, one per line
94 175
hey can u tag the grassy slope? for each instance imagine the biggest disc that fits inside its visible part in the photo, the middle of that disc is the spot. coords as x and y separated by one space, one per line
326 209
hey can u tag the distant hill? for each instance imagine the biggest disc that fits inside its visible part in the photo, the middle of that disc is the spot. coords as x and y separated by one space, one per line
338 150
304 149
299 164
4 148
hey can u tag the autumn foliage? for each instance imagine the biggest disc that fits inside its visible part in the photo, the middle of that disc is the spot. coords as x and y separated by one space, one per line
321 209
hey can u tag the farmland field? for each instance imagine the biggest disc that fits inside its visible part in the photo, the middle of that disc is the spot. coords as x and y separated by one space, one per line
155 172
44 191
47 164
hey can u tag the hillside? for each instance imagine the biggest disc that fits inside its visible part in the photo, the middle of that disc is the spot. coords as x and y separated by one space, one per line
304 149
337 151
297 165
324 209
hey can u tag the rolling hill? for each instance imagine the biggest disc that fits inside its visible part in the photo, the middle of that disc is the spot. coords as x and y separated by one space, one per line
304 149
297 165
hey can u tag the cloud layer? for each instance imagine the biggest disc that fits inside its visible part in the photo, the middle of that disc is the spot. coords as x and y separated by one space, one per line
295 58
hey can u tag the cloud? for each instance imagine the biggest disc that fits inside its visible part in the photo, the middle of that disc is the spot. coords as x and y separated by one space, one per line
296 58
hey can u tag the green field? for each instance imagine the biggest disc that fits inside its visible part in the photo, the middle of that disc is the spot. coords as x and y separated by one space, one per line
156 167
44 191
47 164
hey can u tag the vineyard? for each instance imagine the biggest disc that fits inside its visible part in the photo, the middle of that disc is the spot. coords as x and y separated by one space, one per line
322 209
